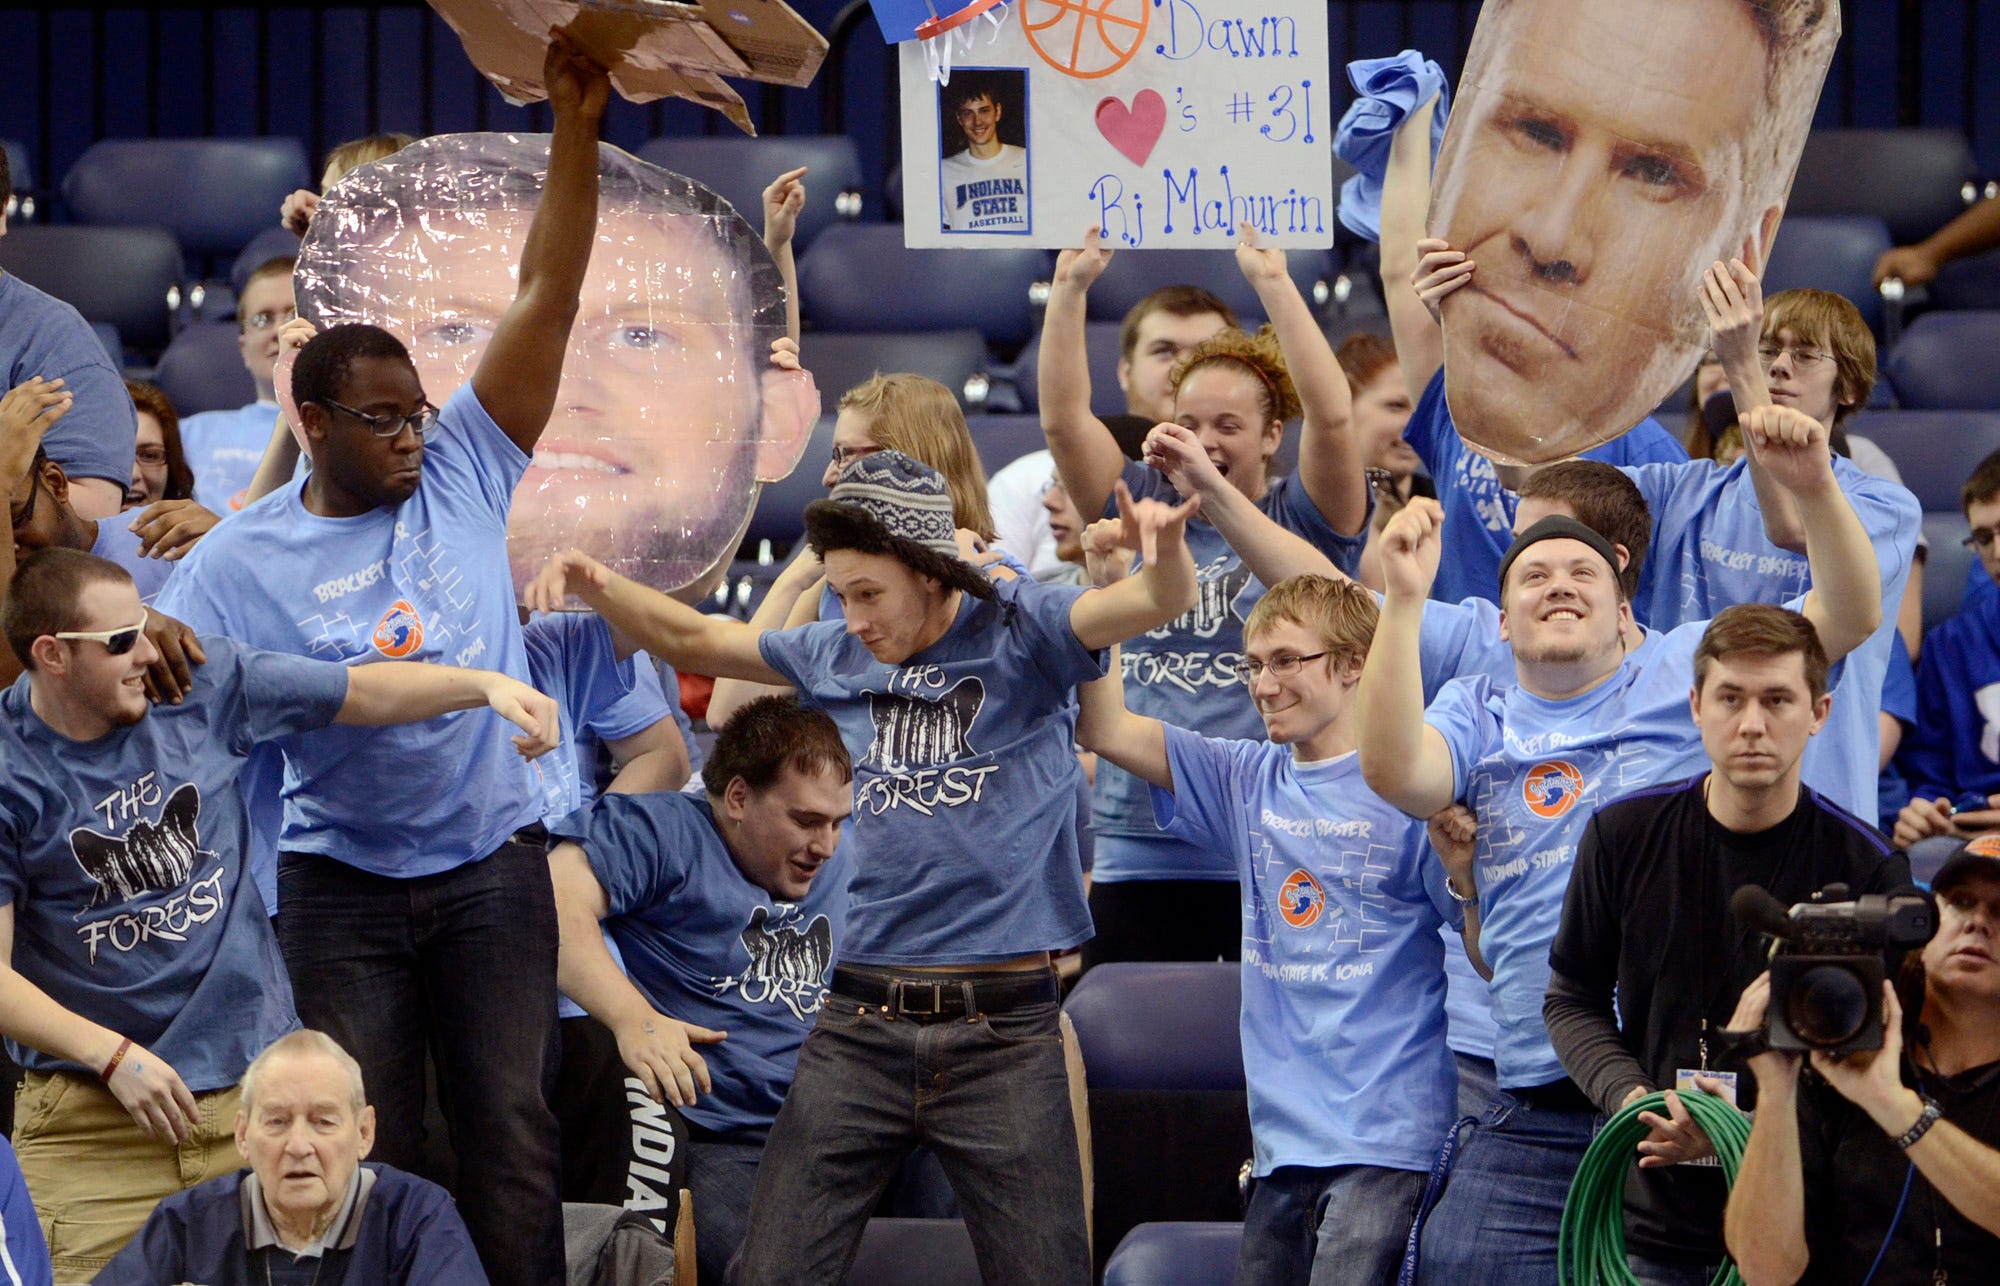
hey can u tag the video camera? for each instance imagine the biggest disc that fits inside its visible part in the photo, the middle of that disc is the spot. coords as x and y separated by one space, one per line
1826 978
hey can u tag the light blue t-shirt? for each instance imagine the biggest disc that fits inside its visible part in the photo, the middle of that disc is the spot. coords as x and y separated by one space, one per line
1184 673
1709 552
965 778
571 658
117 542
669 684
1478 511
709 947
1343 970
426 580
41 335
124 860
1534 771
224 448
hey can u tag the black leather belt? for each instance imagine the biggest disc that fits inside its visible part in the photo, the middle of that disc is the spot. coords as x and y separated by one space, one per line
933 997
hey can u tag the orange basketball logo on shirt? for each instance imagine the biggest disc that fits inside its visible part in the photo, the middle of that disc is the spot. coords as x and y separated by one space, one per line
401 631
1551 788
1984 846
1301 899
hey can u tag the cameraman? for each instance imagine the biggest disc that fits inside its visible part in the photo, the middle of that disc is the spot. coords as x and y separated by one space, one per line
1647 917
1855 1177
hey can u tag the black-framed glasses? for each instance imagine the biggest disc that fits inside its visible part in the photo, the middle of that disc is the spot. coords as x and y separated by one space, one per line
420 421
117 642
842 456
1282 667
1980 538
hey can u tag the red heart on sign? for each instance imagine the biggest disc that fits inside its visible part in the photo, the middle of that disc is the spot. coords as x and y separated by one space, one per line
1133 130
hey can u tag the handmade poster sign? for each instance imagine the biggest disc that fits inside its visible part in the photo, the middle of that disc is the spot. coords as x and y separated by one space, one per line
669 414
1166 122
1601 155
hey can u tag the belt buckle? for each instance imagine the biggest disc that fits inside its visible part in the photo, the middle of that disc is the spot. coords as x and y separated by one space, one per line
905 988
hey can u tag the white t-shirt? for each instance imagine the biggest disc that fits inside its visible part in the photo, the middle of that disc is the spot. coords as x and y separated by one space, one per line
989 195
1014 495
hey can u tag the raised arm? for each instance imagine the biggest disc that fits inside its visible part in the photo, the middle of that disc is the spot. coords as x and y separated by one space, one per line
795 588
519 373
1403 759
386 692
1271 552
1329 458
1087 457
1165 586
26 412
281 454
782 202
1845 604
1406 198
676 633
655 1048
1105 726
1733 302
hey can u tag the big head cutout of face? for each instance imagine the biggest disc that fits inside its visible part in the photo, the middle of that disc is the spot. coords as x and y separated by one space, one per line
660 436
1601 154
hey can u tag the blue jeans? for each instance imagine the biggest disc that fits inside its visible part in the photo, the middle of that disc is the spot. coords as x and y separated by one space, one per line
1501 1213
989 1096
1317 1226
463 962
1478 1082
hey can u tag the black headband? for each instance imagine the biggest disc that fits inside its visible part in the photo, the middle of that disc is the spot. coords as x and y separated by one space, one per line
1559 527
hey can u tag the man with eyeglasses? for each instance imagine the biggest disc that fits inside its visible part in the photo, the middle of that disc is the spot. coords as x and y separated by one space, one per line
1351 1082
984 187
1953 761
224 447
414 906
138 972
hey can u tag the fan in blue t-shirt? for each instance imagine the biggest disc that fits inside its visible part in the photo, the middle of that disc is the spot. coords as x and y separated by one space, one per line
726 910
1343 1024
1588 721
142 956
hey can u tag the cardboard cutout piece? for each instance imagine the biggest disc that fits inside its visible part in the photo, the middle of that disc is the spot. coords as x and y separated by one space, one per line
1601 154
668 416
1166 122
652 48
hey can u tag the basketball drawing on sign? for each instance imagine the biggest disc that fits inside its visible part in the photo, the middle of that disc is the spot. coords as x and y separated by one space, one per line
1085 38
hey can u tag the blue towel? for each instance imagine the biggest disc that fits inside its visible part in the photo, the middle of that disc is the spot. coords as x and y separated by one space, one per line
1389 89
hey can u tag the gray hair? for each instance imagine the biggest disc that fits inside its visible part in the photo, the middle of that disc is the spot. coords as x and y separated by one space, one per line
303 1041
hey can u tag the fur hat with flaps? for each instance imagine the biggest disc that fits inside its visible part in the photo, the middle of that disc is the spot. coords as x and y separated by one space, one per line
886 503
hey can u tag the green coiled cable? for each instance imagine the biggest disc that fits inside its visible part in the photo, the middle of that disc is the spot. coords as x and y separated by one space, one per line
1591 1251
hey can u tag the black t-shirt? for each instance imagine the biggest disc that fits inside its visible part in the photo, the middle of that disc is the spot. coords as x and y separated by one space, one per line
1647 909
1854 1180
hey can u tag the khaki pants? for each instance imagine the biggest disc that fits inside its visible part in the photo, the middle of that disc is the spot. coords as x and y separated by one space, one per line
94 1177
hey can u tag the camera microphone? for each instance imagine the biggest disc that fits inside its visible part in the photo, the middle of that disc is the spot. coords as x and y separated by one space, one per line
1756 909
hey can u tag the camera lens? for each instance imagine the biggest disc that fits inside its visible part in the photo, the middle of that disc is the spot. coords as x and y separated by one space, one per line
1827 1005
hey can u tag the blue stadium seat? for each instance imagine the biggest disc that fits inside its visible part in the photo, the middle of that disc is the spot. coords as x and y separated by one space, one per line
1944 362
1968 283
1100 342
1176 1254
1131 277
1160 1044
1934 450
859 276
202 370
1947 564
213 194
892 191
1003 439
1911 179
1831 252
956 359
117 275
274 242
914 1252
738 169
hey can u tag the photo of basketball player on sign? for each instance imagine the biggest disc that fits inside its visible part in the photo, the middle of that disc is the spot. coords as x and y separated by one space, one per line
983 185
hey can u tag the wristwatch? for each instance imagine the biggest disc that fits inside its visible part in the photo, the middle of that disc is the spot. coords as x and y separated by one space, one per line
1930 1116
1463 899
